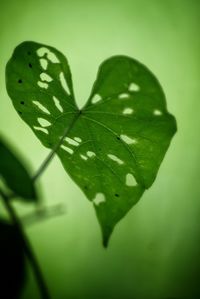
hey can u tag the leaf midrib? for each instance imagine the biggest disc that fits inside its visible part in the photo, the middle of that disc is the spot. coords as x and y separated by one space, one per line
80 113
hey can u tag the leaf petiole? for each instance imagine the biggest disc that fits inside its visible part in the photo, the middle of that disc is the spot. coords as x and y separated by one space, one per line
27 247
55 148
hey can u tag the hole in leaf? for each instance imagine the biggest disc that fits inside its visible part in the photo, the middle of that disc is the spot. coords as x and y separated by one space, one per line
41 107
43 122
78 139
52 57
41 129
115 158
20 81
45 77
130 180
57 104
133 87
116 195
96 98
43 63
42 84
64 83
157 112
83 157
22 102
30 65
118 138
71 141
128 140
99 198
42 51
124 96
91 154
67 149
127 111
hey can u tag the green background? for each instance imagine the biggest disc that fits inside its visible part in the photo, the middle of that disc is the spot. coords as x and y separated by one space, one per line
154 252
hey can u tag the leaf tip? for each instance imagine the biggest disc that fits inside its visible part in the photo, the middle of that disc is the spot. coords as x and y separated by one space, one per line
106 241
106 234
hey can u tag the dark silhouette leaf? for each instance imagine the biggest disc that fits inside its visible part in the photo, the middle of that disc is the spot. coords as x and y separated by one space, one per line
15 174
12 262
113 147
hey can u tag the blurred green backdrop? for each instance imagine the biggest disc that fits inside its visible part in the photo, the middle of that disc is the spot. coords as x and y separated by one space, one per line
154 252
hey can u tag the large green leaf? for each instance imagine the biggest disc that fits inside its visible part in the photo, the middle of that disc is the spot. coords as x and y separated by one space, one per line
113 147
15 174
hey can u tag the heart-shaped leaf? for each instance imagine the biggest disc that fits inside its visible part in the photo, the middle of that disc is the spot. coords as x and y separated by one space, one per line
113 147
15 174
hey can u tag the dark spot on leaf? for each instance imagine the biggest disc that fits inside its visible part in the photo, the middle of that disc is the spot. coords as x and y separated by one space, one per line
118 138
22 103
30 65
117 195
19 81
19 112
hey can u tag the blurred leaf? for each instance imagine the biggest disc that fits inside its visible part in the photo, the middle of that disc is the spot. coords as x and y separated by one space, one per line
12 262
115 144
15 174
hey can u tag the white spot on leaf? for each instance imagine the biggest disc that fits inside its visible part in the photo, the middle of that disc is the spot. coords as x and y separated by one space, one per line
67 149
42 84
130 180
124 96
83 157
52 57
41 129
96 98
45 77
64 83
127 139
43 122
99 198
157 112
91 154
115 158
71 141
128 111
57 104
42 51
78 139
134 87
43 63
41 107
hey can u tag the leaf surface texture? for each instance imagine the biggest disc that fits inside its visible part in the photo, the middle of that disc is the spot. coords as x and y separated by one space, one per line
113 147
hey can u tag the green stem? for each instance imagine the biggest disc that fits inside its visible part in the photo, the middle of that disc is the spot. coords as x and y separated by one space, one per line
27 247
55 148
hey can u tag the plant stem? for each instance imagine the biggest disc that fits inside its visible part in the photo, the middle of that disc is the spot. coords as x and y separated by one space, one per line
27 247
55 148
16 221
